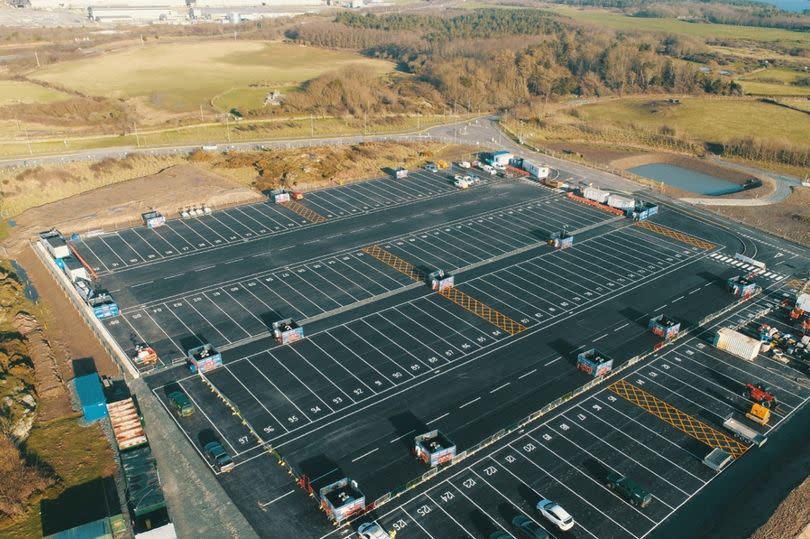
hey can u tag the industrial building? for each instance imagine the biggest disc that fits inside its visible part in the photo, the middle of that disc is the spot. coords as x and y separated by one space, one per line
133 14
177 5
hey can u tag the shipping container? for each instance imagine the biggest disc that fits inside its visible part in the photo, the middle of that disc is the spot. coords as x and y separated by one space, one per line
621 202
127 424
401 173
595 194
279 196
342 499
434 448
204 359
737 344
91 396
287 331
74 269
742 286
594 363
664 327
54 243
642 211
440 280
803 302
153 219
538 171
501 158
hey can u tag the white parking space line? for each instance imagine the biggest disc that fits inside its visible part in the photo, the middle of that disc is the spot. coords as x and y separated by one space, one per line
435 419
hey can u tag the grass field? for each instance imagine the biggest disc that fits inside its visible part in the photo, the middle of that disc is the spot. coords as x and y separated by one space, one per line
13 91
79 456
729 118
180 77
619 21
773 89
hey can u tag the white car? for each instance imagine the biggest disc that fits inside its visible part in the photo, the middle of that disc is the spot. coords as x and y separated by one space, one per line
372 530
555 514
464 164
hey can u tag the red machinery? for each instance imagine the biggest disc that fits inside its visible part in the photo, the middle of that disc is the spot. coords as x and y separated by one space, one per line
760 394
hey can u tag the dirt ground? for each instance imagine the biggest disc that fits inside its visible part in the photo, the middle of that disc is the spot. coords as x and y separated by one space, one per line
121 204
68 335
789 219
791 520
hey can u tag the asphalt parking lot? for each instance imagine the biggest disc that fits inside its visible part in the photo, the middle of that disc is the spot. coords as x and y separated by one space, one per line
385 358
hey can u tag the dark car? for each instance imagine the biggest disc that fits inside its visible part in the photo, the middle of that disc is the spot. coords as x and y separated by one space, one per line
500 535
528 528
629 490
181 403
220 458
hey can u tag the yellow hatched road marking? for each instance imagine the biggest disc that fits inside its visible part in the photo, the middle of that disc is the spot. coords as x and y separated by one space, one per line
303 211
683 422
674 234
395 262
482 310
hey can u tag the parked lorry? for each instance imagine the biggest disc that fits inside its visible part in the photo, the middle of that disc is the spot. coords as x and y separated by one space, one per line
595 194
401 173
440 280
737 344
204 358
744 432
742 286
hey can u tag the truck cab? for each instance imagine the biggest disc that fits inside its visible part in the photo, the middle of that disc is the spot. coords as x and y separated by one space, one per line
629 490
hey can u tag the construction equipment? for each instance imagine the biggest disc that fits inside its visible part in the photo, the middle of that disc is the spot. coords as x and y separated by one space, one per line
145 356
287 331
594 362
440 280
759 414
204 358
760 394
297 195
664 327
442 164
744 432
434 448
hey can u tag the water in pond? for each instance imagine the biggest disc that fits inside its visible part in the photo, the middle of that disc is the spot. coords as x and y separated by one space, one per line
687 179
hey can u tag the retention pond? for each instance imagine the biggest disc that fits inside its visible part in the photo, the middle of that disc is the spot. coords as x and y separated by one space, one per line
687 179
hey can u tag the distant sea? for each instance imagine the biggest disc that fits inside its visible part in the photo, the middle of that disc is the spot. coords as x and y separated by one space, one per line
790 5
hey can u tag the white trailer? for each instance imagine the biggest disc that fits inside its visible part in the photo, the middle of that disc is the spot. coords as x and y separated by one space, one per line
538 171
620 202
595 194
744 432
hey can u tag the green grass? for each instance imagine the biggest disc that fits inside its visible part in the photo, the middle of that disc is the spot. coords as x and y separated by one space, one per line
244 131
77 455
713 120
13 91
179 77
783 75
619 21
244 99
773 89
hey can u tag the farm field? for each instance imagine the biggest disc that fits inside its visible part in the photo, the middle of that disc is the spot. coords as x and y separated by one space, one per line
180 77
771 88
12 91
620 21
730 118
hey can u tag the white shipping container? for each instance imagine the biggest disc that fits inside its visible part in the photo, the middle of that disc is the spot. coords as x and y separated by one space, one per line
620 202
595 194
538 171
737 344
803 302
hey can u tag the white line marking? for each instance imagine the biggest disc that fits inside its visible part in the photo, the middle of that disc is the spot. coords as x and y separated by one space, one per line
438 418
175 275
499 388
401 437
530 372
621 327
600 338
274 500
659 308
553 361
677 299
476 399
204 268
366 454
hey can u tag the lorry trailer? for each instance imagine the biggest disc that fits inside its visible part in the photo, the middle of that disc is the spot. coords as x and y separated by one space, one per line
279 196
664 327
54 243
742 286
744 432
401 173
440 280
153 219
